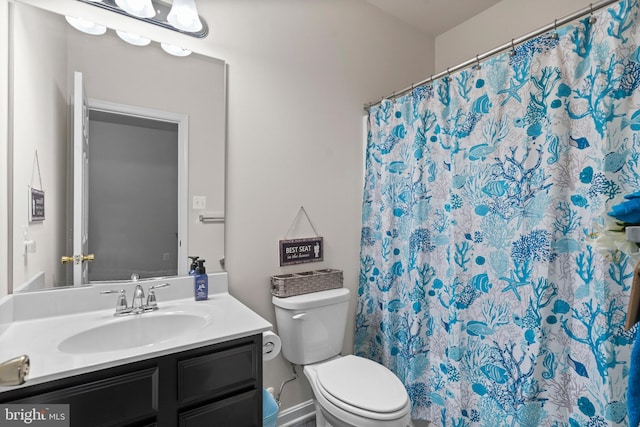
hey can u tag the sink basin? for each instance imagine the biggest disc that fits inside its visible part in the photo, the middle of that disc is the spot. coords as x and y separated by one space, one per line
132 331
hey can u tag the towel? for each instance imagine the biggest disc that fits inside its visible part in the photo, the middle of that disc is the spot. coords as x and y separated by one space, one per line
633 389
628 212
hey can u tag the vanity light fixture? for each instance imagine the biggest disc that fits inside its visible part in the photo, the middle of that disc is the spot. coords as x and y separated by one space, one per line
133 39
181 16
175 50
86 26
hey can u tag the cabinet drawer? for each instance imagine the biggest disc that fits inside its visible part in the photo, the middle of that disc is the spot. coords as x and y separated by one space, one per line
109 402
236 411
214 374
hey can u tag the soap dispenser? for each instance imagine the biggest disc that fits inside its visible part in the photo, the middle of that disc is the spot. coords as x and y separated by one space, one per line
194 265
201 282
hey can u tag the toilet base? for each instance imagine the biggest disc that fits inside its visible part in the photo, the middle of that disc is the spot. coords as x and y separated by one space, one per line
325 419
321 417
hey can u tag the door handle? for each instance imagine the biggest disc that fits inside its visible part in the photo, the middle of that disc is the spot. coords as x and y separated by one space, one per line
77 259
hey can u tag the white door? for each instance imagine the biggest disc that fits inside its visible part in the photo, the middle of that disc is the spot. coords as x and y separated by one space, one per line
80 182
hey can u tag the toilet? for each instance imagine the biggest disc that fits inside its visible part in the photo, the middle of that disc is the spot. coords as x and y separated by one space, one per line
348 390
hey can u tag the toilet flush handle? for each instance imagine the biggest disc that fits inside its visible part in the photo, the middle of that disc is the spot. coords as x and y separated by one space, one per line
299 316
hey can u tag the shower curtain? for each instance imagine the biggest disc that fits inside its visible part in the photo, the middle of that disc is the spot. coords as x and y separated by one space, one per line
480 284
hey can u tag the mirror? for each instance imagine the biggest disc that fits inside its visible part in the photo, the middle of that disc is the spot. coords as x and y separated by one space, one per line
45 53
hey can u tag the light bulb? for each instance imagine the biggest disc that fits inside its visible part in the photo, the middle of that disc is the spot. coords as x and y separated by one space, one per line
175 50
86 26
139 8
133 39
184 16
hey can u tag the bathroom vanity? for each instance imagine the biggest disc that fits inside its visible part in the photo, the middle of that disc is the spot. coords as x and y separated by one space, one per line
208 373
219 384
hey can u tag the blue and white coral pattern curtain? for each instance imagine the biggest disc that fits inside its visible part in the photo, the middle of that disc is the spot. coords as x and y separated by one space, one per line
480 284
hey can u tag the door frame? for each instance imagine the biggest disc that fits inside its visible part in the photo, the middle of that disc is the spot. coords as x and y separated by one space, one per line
182 120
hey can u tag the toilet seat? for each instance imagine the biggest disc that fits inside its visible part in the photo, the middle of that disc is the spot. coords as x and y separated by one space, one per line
362 387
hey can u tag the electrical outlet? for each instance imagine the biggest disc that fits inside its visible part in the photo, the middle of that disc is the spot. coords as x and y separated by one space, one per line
199 202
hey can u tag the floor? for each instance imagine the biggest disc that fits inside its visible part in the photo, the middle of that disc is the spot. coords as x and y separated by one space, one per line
306 423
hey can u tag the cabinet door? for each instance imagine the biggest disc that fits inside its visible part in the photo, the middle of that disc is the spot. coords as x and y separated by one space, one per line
219 373
236 411
118 401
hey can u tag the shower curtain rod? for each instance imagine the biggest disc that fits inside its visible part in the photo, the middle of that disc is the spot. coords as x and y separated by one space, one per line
510 45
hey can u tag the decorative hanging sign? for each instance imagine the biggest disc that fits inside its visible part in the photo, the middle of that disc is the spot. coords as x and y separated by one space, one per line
36 209
36 197
298 251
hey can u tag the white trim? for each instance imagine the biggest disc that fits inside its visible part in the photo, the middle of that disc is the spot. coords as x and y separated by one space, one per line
182 120
5 193
297 414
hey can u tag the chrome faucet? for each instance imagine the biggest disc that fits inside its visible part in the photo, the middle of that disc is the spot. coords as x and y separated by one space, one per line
138 305
138 298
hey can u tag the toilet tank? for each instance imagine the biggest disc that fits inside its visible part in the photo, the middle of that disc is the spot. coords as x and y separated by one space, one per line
312 326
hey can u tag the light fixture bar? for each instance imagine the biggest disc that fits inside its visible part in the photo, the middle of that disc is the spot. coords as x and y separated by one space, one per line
162 11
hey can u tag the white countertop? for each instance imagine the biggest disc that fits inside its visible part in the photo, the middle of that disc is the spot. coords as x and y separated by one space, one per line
39 338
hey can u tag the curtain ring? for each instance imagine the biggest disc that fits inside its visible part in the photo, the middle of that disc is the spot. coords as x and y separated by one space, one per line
513 48
555 30
448 75
592 19
477 66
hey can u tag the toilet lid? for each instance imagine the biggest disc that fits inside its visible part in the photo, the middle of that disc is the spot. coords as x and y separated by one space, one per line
362 383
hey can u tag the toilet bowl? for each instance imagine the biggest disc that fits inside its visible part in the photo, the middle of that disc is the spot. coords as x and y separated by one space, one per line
353 391
348 390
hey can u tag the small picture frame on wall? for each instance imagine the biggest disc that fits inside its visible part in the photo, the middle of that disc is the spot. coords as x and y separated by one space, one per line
36 205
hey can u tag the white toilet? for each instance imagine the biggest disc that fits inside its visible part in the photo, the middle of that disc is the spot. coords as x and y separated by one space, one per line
349 390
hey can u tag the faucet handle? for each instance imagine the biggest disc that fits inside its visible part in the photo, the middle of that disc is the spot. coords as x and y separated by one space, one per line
121 304
151 298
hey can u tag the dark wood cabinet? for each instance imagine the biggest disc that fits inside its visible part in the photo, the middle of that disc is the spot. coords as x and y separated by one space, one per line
216 385
234 411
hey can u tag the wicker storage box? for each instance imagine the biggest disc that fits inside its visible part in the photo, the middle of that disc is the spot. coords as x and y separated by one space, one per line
288 285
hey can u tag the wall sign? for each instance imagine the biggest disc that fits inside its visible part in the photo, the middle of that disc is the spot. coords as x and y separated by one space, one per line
36 208
36 197
298 251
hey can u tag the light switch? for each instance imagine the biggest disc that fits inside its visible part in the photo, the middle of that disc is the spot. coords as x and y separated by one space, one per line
30 246
199 202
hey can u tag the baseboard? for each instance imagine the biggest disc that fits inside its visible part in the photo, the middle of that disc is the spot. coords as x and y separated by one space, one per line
297 414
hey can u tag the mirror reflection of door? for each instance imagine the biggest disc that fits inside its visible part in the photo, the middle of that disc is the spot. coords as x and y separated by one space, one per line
80 182
133 191
133 194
